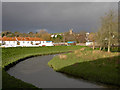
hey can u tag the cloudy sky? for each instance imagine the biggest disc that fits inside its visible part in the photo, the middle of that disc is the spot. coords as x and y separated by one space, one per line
60 0
54 16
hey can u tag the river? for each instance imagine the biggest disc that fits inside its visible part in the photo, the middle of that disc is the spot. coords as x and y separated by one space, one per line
36 71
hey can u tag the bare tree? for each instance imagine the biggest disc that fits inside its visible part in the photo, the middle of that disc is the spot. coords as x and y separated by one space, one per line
108 32
81 37
44 34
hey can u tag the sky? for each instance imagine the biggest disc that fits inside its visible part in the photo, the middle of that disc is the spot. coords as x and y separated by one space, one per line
60 0
55 17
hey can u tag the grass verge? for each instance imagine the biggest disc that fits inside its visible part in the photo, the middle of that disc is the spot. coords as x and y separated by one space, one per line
12 55
97 66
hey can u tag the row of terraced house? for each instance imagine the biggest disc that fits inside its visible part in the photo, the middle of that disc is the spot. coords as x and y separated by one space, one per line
23 41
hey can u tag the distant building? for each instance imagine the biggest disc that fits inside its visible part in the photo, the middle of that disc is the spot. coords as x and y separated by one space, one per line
71 31
55 35
52 36
87 34
88 43
24 41
71 42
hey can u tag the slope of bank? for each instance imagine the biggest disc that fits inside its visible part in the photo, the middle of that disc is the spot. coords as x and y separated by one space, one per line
97 66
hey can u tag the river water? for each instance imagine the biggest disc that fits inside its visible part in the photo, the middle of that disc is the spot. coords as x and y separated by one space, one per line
36 71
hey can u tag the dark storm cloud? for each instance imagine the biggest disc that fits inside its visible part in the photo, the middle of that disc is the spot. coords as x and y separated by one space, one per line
54 17
0 17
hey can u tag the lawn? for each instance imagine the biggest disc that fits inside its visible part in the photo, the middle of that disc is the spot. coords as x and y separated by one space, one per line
93 65
12 55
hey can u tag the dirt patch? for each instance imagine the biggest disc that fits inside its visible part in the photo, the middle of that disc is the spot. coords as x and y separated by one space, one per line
82 49
79 51
96 51
61 56
76 51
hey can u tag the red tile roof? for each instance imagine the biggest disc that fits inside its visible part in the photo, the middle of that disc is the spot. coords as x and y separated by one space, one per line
29 39
21 39
0 38
8 39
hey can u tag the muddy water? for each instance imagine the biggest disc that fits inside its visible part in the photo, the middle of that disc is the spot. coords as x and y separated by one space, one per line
36 71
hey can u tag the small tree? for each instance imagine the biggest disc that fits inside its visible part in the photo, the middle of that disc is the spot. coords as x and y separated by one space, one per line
43 34
99 38
108 32
81 37
69 37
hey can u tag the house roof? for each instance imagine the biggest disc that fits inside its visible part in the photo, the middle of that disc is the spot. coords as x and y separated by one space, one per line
8 39
21 39
0 38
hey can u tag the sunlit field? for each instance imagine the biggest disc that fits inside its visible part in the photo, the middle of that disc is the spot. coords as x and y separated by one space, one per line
93 65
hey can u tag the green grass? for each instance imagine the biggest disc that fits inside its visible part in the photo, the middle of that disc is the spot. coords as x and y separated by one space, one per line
11 55
98 66
9 82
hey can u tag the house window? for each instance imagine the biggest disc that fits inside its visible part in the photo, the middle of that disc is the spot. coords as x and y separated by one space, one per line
28 41
9 41
23 42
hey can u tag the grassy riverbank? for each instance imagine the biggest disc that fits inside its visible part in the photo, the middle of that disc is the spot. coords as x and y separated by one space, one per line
97 66
11 55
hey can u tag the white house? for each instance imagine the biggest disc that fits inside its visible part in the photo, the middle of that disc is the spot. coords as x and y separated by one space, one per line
46 43
89 43
55 35
9 41
52 36
24 41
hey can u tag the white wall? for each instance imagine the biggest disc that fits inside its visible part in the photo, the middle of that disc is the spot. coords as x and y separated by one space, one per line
11 43
34 42
89 43
27 43
46 43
